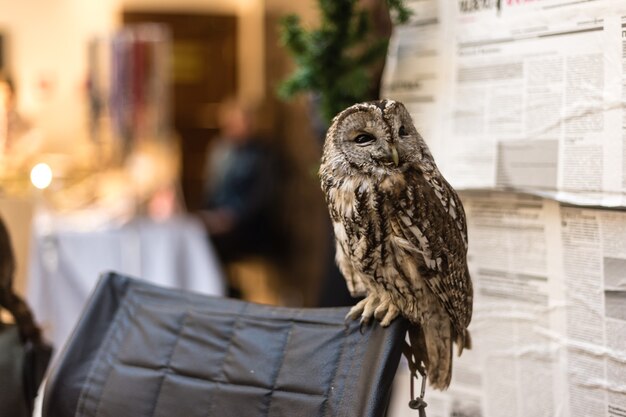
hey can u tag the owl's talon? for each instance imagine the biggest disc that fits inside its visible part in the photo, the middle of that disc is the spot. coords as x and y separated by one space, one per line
357 310
391 313
382 309
361 325
386 311
371 302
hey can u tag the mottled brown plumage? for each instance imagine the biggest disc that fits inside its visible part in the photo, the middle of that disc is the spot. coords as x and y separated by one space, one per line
400 231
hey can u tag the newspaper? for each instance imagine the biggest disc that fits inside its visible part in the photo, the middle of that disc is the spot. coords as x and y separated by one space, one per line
549 320
522 94
594 259
527 96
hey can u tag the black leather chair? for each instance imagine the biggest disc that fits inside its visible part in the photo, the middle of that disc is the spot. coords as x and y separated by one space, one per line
145 351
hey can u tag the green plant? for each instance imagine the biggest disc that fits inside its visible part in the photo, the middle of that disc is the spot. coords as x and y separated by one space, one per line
336 59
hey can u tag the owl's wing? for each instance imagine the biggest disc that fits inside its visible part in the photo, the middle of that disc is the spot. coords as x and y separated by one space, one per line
449 200
353 280
432 220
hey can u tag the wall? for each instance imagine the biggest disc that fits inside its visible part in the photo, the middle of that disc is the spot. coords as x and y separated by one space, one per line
46 55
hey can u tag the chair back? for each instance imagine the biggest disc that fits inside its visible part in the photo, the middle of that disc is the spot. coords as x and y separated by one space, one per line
144 351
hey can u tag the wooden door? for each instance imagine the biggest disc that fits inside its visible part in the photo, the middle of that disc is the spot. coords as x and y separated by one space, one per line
204 73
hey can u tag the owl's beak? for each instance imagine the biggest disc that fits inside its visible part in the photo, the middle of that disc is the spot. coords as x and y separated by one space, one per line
394 155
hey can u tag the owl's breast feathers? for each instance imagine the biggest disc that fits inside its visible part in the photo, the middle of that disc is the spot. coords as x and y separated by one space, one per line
410 224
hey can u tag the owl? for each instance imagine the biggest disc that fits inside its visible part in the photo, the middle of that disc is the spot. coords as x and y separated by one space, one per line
400 232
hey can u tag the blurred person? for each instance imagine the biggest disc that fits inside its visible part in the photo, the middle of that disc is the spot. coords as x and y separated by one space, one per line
239 193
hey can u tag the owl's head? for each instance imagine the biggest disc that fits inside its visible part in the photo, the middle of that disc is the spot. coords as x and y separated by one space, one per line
375 138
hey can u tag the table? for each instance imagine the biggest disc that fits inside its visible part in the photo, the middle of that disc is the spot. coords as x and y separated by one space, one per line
65 265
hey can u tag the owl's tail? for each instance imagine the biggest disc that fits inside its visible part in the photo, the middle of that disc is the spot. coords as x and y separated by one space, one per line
431 348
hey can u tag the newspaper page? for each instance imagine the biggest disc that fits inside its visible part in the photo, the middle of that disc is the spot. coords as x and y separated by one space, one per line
549 323
523 94
414 74
594 259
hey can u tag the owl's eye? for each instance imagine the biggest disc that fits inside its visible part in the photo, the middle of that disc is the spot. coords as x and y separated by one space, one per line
364 139
402 131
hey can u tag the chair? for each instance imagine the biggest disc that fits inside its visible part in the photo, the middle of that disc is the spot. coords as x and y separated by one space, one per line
144 351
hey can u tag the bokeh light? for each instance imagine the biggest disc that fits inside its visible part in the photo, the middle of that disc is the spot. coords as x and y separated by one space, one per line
41 176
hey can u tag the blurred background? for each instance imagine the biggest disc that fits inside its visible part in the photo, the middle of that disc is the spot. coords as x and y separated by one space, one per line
147 136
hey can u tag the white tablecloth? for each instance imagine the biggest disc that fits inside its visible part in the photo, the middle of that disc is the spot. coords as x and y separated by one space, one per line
65 266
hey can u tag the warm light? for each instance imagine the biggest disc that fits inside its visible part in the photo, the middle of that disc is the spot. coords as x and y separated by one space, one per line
41 176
